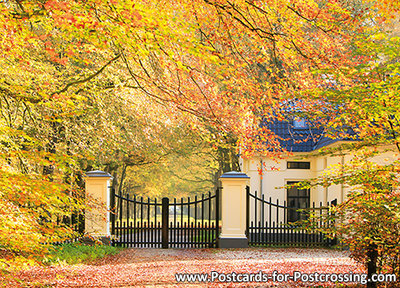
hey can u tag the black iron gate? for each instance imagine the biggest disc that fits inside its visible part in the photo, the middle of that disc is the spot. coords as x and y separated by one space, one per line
269 223
136 222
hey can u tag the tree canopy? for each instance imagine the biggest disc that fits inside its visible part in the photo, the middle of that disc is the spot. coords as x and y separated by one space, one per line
117 84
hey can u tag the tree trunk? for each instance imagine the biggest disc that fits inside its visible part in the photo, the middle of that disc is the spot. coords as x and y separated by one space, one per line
372 256
124 167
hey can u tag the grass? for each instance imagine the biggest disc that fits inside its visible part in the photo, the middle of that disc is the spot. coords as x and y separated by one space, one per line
203 236
77 253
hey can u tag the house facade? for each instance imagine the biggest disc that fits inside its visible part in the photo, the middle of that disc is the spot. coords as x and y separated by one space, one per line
268 177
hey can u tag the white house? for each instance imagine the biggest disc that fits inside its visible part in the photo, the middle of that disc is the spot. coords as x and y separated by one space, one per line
268 176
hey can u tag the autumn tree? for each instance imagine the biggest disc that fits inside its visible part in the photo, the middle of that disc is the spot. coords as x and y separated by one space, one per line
365 107
220 64
147 152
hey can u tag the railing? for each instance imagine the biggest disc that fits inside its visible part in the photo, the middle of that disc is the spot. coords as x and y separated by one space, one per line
140 223
268 223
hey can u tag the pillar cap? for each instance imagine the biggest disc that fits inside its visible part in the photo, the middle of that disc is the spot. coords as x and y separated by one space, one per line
98 173
234 175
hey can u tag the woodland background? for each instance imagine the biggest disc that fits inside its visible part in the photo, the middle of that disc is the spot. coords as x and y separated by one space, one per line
164 95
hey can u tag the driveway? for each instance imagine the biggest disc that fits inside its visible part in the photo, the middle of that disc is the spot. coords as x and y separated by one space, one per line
147 267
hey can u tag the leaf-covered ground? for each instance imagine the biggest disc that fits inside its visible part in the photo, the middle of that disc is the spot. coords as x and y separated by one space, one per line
157 267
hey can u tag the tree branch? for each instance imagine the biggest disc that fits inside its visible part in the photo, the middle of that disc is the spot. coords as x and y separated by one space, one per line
87 78
242 22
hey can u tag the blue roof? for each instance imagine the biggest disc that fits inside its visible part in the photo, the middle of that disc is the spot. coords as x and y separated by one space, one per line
310 138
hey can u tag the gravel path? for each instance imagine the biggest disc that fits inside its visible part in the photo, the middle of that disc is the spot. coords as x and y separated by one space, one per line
148 267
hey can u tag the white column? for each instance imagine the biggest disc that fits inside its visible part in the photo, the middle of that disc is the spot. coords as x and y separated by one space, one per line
233 210
97 218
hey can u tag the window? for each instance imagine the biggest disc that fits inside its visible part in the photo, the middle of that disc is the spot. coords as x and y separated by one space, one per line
299 123
298 165
297 199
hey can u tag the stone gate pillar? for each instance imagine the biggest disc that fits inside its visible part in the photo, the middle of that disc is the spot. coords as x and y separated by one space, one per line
97 220
233 210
